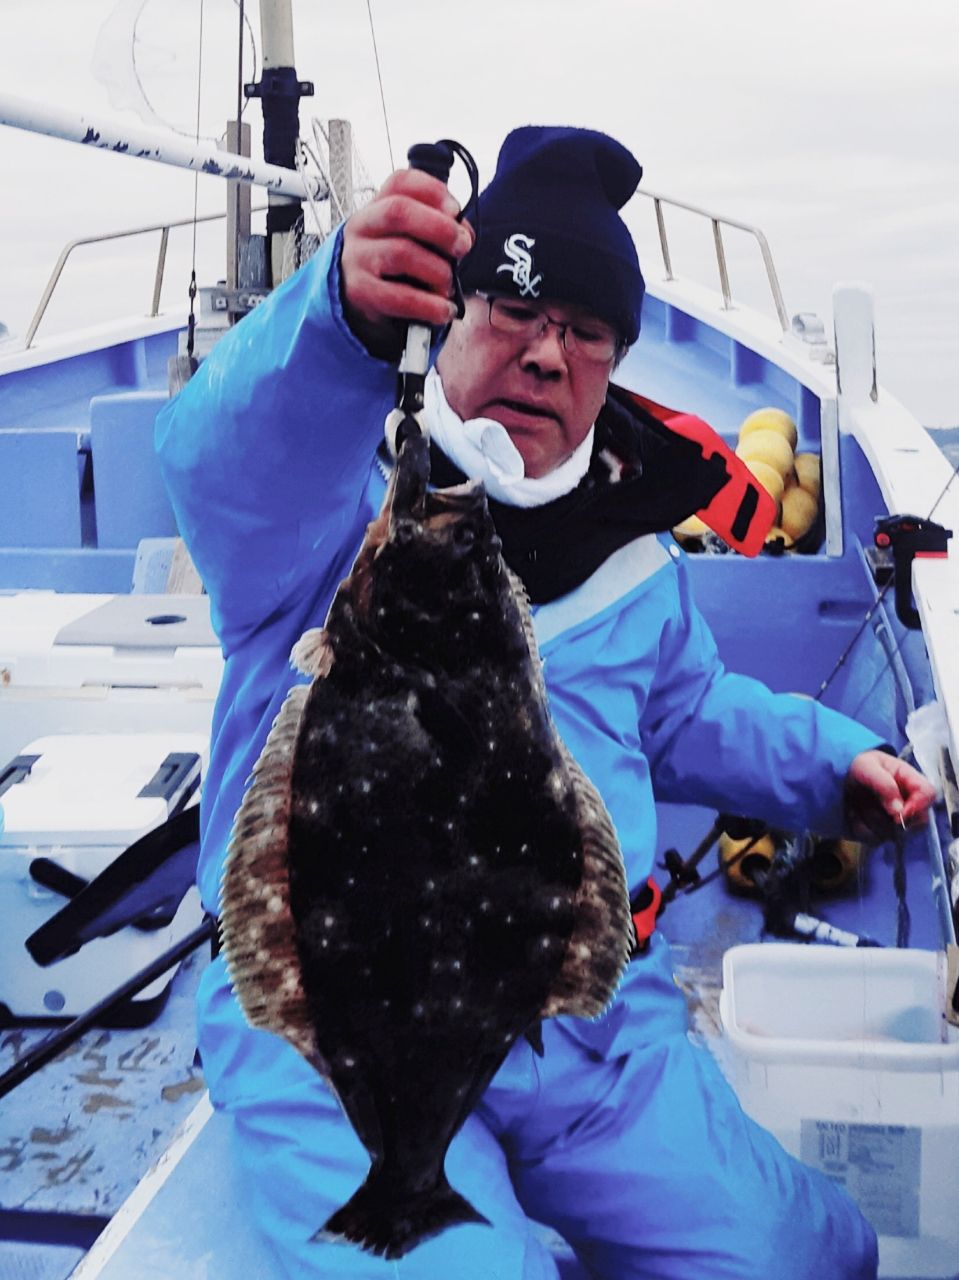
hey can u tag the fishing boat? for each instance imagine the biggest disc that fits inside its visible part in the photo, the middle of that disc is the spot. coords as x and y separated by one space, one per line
832 1006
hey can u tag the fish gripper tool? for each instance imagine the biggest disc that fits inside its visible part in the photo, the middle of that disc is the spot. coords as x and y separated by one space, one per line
436 159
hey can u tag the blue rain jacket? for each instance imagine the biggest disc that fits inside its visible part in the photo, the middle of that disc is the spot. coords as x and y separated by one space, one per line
268 454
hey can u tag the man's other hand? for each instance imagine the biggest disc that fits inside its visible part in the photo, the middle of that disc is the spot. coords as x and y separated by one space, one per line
883 794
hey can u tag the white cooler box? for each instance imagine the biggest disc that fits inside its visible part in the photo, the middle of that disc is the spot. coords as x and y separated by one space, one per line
80 800
847 1057
73 663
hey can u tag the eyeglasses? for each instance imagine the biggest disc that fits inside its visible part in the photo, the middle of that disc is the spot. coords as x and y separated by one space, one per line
582 339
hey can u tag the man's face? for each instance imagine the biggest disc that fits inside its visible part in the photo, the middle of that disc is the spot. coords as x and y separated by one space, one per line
546 398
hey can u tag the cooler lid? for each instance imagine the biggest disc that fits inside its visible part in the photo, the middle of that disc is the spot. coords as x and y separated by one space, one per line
143 622
96 789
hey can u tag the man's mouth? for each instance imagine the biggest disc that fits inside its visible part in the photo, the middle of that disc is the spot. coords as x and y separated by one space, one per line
524 409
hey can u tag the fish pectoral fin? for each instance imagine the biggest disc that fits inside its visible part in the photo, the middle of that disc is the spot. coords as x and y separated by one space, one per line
601 942
313 654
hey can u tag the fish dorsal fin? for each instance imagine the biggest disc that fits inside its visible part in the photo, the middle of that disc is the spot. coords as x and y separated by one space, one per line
256 923
313 654
600 945
602 938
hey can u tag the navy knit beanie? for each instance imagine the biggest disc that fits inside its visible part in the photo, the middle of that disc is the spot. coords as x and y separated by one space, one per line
549 225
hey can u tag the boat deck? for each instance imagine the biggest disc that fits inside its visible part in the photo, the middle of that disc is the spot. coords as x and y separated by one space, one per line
112 1103
109 1106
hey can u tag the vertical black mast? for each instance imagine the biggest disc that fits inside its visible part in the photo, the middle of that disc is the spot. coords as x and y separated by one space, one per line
279 90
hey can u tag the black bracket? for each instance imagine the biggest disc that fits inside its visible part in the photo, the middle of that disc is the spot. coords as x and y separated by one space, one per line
280 82
17 769
907 537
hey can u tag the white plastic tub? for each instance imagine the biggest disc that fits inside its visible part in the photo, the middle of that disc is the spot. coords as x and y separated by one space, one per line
846 1056
80 800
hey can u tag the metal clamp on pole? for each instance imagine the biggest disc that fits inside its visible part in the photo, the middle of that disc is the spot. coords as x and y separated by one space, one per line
908 537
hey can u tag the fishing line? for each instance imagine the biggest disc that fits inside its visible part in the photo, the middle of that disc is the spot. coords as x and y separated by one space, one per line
239 146
191 292
376 58
945 490
239 77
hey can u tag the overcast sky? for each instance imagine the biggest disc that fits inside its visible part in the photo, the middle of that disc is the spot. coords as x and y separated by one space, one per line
831 124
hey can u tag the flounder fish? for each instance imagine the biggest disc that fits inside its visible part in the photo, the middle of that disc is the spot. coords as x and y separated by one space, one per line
419 871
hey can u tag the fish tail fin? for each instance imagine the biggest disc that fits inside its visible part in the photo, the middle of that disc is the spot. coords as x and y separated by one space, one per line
390 1222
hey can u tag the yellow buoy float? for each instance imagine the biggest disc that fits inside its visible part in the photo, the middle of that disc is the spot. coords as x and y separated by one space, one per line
690 532
766 444
836 863
768 447
770 420
799 511
744 862
809 473
768 477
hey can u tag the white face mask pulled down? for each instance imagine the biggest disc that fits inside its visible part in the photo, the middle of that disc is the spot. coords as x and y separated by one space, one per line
483 450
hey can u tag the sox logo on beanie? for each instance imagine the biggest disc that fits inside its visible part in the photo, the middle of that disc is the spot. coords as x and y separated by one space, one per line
520 265
549 225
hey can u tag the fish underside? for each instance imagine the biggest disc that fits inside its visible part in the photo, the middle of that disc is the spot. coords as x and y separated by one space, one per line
419 870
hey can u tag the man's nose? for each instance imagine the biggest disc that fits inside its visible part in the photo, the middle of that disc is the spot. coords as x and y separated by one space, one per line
547 350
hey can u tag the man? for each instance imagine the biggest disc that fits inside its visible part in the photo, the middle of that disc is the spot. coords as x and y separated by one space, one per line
623 1136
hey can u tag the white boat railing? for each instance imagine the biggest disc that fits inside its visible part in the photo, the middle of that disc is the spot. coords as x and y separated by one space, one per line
719 221
163 227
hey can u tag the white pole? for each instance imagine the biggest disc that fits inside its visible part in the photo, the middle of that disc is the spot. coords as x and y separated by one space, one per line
276 33
152 144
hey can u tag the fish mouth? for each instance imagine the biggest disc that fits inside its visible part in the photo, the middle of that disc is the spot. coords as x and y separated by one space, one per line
412 499
411 475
